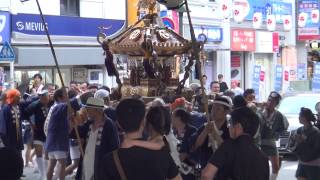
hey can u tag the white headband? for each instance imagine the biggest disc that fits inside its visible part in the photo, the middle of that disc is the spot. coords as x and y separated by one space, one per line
222 103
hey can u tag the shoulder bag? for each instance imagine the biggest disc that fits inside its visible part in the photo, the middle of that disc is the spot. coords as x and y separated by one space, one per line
118 165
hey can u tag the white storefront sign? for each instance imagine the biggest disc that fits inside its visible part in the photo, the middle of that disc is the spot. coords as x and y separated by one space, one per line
264 42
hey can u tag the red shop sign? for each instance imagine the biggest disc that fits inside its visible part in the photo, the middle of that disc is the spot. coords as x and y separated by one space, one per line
275 42
262 75
243 40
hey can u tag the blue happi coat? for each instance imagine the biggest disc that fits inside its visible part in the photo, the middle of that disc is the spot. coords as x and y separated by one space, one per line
58 127
107 141
9 134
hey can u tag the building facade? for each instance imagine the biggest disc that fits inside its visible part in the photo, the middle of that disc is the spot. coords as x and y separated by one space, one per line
266 45
257 46
73 26
207 20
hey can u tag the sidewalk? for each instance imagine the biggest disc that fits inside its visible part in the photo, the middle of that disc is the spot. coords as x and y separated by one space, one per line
30 175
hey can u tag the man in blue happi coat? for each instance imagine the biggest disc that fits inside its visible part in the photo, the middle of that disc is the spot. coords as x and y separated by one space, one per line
101 137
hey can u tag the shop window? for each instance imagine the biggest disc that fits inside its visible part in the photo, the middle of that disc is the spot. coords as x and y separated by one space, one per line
69 7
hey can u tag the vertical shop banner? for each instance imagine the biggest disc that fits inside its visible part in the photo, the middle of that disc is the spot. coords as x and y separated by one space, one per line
243 40
308 20
235 68
316 77
278 78
256 81
289 60
302 72
275 42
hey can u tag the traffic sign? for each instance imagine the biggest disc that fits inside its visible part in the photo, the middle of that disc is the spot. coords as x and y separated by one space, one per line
7 53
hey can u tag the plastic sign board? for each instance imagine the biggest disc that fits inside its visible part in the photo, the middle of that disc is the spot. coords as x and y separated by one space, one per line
212 33
7 53
278 78
256 80
5 19
316 78
243 40
31 24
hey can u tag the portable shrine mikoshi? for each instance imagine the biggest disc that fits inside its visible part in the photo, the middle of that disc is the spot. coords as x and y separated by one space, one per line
152 50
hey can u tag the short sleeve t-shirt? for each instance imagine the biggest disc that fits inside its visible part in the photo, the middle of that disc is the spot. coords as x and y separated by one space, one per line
140 163
241 159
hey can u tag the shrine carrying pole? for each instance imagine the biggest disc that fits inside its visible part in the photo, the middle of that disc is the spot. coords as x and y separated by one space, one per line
195 55
59 71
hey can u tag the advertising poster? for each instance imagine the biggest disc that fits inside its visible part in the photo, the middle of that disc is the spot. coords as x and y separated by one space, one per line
279 8
256 81
278 78
302 72
235 68
316 78
308 19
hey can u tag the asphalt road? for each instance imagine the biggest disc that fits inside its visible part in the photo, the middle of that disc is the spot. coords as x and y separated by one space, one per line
287 171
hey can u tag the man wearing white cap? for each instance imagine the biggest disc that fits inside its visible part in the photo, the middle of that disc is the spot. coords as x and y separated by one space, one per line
104 95
101 137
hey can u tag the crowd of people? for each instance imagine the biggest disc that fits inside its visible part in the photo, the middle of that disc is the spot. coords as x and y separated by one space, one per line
81 131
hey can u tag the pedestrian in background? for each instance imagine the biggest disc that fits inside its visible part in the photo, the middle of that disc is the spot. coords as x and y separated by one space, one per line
273 123
223 85
235 88
214 90
36 85
307 147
